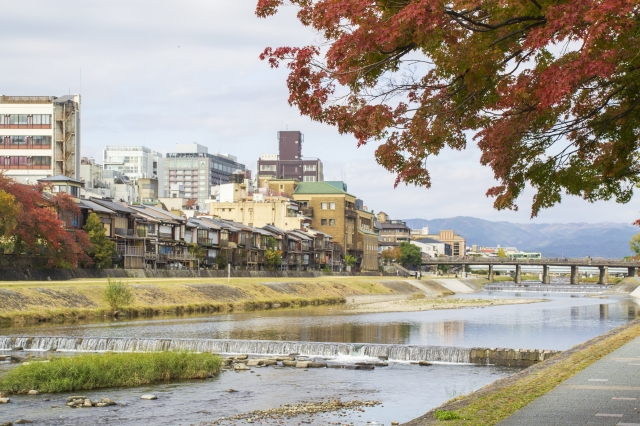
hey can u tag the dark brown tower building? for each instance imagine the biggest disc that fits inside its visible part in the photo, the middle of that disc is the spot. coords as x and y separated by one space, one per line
289 163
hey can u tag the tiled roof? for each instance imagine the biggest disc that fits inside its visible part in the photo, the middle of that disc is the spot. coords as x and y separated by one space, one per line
318 188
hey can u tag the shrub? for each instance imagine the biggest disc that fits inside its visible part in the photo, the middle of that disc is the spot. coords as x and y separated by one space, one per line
446 415
117 294
221 262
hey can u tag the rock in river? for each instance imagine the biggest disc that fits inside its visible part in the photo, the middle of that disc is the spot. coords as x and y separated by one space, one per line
240 367
5 400
148 397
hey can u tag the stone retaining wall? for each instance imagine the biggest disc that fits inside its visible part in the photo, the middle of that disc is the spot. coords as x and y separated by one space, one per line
509 357
50 274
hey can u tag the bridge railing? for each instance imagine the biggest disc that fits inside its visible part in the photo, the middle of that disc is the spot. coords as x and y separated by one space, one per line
582 261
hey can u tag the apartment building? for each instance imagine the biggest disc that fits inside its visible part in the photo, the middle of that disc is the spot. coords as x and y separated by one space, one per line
277 211
135 162
91 174
393 231
39 137
289 163
193 168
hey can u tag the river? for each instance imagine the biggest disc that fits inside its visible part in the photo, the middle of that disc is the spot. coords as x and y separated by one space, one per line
405 390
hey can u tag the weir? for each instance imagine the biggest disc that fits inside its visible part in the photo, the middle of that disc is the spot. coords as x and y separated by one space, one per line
482 356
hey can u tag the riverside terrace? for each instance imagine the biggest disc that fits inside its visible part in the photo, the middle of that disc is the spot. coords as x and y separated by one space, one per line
601 263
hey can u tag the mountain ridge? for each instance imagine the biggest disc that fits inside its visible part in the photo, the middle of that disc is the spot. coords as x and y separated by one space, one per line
579 239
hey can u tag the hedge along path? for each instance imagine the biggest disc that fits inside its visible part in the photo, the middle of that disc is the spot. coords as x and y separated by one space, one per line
95 371
497 401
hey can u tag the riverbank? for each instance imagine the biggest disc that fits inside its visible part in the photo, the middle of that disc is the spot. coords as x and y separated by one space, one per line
497 401
28 302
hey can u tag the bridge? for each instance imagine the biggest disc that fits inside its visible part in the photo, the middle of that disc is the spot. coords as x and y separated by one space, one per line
601 263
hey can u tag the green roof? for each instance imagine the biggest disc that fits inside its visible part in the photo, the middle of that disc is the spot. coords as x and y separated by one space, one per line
319 188
338 184
364 231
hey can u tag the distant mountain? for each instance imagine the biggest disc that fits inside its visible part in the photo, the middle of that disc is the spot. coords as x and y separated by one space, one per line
551 239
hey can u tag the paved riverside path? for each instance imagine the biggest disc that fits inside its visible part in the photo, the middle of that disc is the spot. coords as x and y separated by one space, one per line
605 393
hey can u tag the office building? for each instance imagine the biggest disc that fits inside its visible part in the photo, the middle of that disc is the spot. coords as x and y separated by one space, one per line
39 137
193 168
289 163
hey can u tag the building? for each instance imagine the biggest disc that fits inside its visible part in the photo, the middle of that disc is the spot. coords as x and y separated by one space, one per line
457 242
277 211
91 173
135 162
192 167
432 247
40 137
289 163
392 232
332 211
418 234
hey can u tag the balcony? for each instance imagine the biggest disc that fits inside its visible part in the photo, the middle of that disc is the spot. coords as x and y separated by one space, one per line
207 242
307 211
180 256
350 213
131 251
23 146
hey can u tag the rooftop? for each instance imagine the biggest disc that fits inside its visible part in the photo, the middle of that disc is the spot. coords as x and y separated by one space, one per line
319 188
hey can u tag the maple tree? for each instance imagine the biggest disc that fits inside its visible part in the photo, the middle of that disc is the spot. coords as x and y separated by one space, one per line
548 89
40 228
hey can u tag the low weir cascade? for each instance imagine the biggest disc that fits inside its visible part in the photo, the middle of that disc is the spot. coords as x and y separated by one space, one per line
265 347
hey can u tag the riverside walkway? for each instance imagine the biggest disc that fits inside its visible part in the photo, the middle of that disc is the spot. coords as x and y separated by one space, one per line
605 393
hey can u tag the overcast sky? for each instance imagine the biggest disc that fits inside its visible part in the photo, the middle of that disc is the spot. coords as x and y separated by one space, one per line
156 73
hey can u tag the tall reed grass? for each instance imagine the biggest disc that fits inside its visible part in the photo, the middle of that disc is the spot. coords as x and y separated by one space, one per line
94 371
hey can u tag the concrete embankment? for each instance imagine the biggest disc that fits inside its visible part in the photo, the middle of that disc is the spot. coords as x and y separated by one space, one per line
625 287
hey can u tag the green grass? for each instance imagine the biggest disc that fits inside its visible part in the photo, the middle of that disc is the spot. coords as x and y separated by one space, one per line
94 371
446 415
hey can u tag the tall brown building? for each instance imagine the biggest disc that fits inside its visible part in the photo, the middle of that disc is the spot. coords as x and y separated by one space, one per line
289 163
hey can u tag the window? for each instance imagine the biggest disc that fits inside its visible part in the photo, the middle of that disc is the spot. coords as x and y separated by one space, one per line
310 168
267 167
41 162
332 206
309 178
332 222
323 222
41 141
323 206
18 140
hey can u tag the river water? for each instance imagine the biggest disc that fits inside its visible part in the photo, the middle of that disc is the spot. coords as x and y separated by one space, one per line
405 390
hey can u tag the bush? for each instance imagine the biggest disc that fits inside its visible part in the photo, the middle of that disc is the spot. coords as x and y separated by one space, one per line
117 294
94 371
446 415
221 262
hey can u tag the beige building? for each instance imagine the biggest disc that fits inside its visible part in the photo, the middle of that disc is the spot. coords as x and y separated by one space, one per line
277 211
367 241
457 242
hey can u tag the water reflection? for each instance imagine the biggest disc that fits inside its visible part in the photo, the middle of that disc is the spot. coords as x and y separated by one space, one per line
558 324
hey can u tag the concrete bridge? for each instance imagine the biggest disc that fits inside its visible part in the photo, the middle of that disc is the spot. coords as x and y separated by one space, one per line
602 264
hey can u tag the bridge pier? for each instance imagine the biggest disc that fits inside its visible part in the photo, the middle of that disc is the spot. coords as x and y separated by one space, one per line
632 271
546 279
604 275
490 277
518 277
575 279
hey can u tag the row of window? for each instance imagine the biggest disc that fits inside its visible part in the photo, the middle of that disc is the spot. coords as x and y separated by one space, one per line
24 162
19 142
330 222
309 178
25 121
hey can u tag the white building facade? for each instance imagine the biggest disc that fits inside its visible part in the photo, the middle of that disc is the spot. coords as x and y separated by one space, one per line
135 162
40 137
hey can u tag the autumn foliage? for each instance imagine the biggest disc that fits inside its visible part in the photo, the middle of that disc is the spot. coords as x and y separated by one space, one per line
39 229
549 89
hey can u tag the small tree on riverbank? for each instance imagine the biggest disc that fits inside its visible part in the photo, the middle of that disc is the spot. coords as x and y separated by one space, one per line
102 248
410 255
272 256
117 294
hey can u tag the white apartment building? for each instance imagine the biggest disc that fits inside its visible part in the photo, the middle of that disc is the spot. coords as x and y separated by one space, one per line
39 137
135 162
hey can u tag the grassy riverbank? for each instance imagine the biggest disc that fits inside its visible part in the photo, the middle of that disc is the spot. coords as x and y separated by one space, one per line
31 302
95 371
504 397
